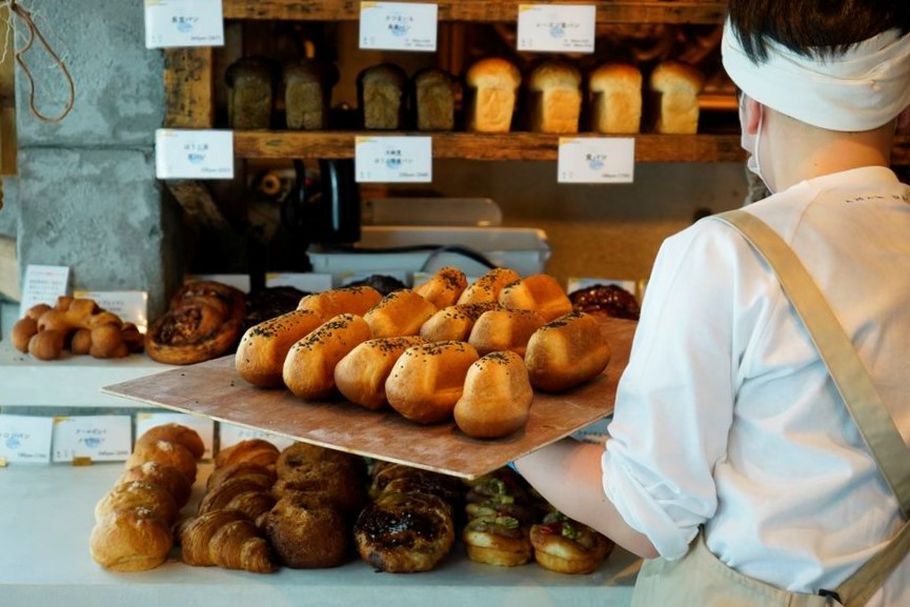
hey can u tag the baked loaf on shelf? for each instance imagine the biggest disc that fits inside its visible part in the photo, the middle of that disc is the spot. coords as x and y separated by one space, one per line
492 93
615 94
674 87
251 83
555 88
307 93
381 95
434 93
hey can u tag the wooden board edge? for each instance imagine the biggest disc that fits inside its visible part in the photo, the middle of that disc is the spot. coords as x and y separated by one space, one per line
189 88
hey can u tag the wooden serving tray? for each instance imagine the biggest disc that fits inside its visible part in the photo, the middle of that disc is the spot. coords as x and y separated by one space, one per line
214 389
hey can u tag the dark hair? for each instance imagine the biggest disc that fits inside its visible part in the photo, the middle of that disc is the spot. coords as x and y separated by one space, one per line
810 27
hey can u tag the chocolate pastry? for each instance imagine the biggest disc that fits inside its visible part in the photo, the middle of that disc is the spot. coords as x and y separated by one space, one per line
382 283
265 304
606 300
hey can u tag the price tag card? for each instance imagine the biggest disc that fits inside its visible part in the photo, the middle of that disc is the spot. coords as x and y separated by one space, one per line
194 154
596 160
102 438
202 425
229 435
393 159
398 26
238 281
556 28
43 284
130 306
311 282
26 439
170 23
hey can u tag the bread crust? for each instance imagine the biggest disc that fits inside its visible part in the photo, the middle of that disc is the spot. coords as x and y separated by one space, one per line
163 475
253 451
557 553
497 397
130 540
175 433
362 373
444 287
566 352
399 313
486 288
347 300
616 98
454 323
504 330
539 292
306 536
167 453
263 348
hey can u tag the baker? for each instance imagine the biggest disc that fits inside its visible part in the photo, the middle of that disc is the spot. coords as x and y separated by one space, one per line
759 447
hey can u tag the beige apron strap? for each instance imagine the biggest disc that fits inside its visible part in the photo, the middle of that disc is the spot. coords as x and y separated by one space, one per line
844 365
856 590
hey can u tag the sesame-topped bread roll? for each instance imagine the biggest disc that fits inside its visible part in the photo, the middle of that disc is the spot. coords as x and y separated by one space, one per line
263 348
486 288
444 287
454 323
497 396
675 87
347 300
615 91
539 292
566 352
399 313
428 380
555 88
504 329
309 369
361 375
492 87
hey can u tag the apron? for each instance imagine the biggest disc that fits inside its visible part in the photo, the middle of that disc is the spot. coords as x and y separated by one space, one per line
700 579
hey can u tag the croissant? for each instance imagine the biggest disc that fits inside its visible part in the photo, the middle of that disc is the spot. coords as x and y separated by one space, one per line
255 451
262 474
247 494
225 538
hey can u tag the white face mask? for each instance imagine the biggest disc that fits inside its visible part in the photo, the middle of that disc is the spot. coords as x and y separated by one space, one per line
750 142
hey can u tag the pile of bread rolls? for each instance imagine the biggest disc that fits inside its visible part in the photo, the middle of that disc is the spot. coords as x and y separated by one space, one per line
134 521
442 350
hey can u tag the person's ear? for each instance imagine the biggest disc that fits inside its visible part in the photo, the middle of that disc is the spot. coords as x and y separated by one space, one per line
903 119
753 115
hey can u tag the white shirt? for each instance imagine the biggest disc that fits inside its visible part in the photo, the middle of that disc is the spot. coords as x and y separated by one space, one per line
726 415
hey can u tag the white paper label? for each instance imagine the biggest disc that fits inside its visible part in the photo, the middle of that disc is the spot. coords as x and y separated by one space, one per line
130 306
596 160
230 434
393 159
312 282
43 284
204 426
556 28
194 154
398 26
103 438
174 23
26 439
238 281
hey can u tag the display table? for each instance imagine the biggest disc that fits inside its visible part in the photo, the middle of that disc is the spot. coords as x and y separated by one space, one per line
46 516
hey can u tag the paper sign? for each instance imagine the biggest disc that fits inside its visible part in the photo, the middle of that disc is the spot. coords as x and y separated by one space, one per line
238 281
202 425
194 154
310 282
398 26
229 435
102 438
130 306
43 284
596 160
175 23
552 28
393 159
25 439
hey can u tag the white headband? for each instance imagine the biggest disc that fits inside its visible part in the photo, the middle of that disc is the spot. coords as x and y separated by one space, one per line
859 90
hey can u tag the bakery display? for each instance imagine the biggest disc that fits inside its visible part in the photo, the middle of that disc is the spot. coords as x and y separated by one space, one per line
538 292
444 287
204 320
615 98
399 313
486 288
555 90
454 323
492 94
362 373
505 329
251 84
605 300
434 95
307 93
497 397
674 87
381 96
567 546
566 352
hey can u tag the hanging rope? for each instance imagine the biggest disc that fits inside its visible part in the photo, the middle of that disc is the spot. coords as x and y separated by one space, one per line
35 32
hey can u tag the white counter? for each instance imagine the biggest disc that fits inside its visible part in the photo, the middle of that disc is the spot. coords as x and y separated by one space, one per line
46 516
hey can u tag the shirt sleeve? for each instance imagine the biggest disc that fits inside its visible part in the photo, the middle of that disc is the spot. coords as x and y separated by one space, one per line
674 404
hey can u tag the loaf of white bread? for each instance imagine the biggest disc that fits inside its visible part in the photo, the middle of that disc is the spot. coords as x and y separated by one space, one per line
493 87
615 97
555 88
674 87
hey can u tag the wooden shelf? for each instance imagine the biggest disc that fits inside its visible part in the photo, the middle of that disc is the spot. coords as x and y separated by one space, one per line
483 146
608 11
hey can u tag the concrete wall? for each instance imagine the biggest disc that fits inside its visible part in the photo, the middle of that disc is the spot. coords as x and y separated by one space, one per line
87 194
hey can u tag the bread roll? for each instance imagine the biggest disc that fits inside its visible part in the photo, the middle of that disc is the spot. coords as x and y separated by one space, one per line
492 86
444 287
166 453
265 475
307 92
615 92
498 541
175 433
263 348
138 494
566 546
555 88
381 96
165 476
306 535
428 380
486 288
434 90
361 375
399 313
566 352
349 300
309 369
251 451
497 397
22 332
500 330
131 540
539 292
454 323
675 87
250 92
